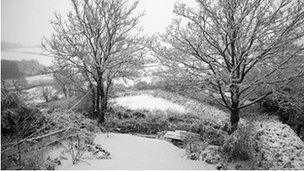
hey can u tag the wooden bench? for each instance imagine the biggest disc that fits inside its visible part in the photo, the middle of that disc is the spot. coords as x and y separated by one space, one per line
182 136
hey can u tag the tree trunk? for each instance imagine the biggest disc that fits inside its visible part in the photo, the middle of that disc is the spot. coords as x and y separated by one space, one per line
235 111
104 100
93 89
234 119
98 96
101 99
101 116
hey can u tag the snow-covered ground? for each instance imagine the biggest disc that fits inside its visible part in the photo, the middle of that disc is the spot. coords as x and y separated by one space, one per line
129 82
39 80
137 153
149 102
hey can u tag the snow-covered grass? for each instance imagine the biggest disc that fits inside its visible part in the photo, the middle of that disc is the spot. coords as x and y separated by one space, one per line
201 109
149 102
40 80
133 153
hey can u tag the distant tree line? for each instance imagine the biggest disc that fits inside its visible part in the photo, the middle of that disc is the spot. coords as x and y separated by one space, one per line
11 76
25 68
13 73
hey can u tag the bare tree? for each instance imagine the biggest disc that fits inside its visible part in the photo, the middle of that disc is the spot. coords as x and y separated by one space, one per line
236 46
96 43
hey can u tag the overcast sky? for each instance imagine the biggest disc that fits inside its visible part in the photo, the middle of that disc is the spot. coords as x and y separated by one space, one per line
27 21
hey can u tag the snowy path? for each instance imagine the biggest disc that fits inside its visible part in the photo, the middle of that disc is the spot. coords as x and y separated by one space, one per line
138 153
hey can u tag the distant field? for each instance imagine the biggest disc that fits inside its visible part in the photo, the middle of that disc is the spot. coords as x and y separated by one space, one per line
149 102
26 53
47 80
40 80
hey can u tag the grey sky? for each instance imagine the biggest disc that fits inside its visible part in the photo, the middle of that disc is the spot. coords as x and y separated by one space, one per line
27 21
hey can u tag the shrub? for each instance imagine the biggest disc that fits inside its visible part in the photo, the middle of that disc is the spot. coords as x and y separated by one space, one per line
187 117
147 122
240 146
210 134
142 86
149 125
194 149
288 104
152 122
77 145
19 122
124 113
17 119
288 111
32 160
211 155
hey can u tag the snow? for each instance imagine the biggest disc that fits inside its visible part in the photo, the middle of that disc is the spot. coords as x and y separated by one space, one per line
40 79
149 102
131 82
133 153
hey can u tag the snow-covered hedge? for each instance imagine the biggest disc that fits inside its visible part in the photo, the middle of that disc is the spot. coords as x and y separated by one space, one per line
266 144
281 148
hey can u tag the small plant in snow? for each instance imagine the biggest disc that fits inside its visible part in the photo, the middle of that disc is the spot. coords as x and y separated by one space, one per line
77 145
